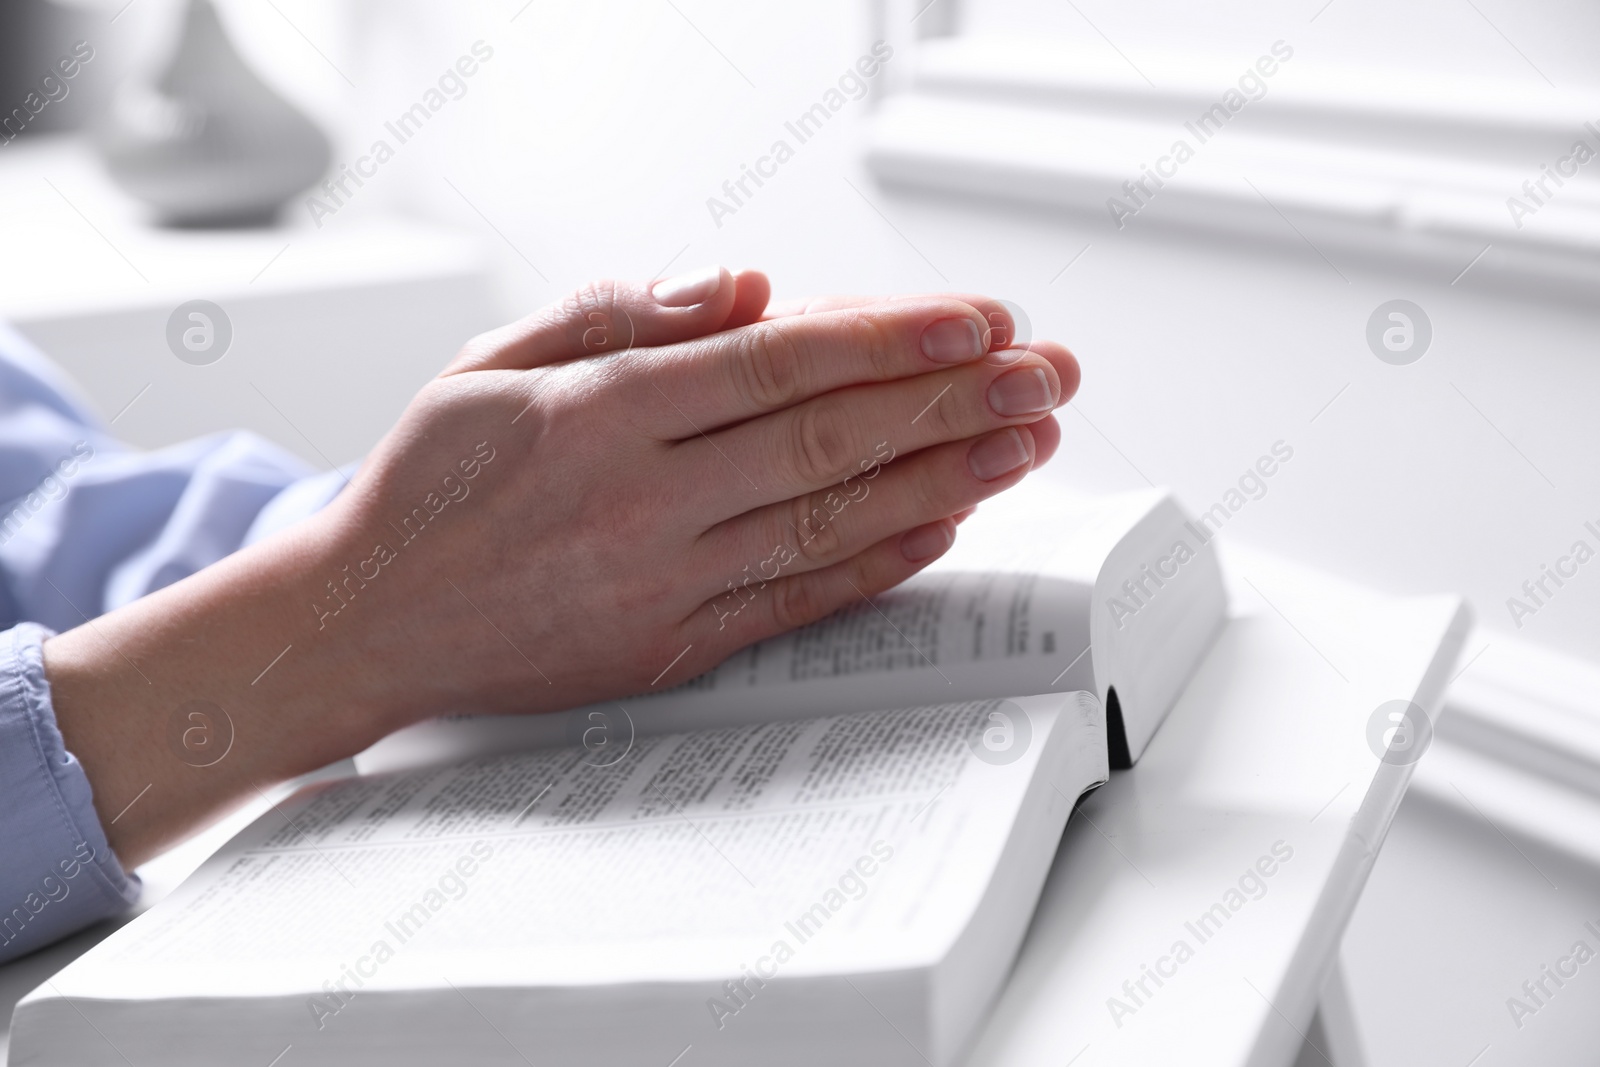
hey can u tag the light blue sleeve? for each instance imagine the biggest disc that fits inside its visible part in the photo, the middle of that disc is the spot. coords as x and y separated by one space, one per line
88 524
59 874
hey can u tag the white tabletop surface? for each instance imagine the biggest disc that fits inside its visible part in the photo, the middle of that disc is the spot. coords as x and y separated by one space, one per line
1269 744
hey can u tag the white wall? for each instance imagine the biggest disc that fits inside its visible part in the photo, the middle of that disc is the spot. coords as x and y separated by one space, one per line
593 139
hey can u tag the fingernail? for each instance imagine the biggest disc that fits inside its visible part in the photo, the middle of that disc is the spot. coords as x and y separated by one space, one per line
1022 392
952 341
999 454
686 290
925 542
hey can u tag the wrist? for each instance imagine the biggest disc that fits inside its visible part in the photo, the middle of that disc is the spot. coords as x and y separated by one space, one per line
356 604
332 647
185 702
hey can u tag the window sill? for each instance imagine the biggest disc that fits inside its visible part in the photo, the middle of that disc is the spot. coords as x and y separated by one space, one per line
1417 172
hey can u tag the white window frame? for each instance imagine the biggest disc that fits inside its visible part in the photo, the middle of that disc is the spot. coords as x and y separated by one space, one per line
1399 169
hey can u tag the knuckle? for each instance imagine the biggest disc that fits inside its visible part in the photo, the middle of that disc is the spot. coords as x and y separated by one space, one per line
941 419
769 367
817 536
476 352
931 493
796 602
876 347
593 311
819 450
480 350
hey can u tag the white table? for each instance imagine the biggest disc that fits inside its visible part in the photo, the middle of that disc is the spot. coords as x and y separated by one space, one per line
1268 744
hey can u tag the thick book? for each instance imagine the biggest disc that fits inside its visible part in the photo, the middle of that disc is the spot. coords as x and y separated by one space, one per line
761 865
838 888
1118 595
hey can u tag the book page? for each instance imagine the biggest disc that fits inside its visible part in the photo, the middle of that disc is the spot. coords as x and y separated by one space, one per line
835 834
944 619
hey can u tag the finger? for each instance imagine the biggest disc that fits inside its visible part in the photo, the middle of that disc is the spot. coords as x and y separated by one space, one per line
750 300
807 305
1046 439
823 441
696 387
999 317
759 611
610 316
819 529
1060 357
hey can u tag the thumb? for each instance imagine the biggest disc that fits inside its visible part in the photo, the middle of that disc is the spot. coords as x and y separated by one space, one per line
613 316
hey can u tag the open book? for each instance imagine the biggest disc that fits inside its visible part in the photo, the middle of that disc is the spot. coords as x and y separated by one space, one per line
1117 595
838 889
755 867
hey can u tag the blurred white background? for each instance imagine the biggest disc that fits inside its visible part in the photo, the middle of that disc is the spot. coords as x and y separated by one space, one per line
1229 314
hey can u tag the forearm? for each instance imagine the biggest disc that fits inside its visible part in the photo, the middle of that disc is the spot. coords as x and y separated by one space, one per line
183 704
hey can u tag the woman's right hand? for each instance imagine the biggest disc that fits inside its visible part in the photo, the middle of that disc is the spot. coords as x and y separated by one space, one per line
652 507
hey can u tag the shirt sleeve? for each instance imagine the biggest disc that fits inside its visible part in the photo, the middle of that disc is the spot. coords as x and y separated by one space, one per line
59 873
88 524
